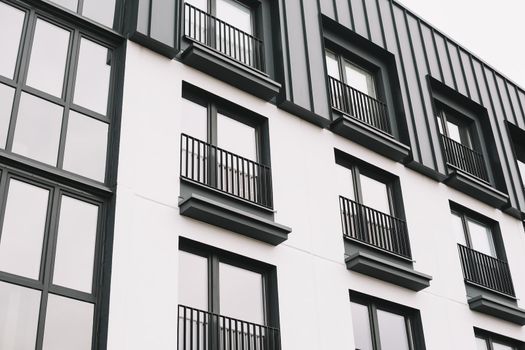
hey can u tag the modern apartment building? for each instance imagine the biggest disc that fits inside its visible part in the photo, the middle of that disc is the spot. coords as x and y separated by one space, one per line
255 175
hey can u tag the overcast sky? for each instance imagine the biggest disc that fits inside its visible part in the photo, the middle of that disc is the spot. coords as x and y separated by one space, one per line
493 30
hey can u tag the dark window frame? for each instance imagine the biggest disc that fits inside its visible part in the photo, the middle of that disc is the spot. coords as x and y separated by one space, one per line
44 282
491 337
413 324
65 101
216 256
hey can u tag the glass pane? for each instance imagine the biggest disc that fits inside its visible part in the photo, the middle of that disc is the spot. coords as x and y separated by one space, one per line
521 167
332 66
361 324
48 58
200 4
454 132
392 331
69 4
37 133
360 79
193 281
19 317
23 229
345 182
440 124
235 14
69 324
375 194
11 24
241 294
243 144
481 344
101 11
457 226
194 120
93 74
481 237
499 346
6 104
86 146
75 252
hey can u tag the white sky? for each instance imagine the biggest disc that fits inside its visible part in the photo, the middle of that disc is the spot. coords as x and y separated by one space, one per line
493 30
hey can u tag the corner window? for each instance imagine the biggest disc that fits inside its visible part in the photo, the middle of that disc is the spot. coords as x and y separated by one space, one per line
222 147
225 299
384 325
481 252
371 208
55 94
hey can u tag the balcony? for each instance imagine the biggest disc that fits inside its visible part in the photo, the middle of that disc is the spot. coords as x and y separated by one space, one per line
486 271
227 190
383 248
204 330
226 52
468 173
364 120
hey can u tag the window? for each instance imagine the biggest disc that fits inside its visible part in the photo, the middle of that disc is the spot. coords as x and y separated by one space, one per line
49 265
224 147
384 325
224 298
517 137
371 207
455 127
102 11
490 341
481 252
54 98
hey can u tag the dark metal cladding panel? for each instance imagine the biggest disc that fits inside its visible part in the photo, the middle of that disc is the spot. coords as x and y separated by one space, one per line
521 98
328 9
505 101
444 61
300 88
457 69
469 76
317 72
359 17
421 62
344 13
375 25
163 21
414 92
515 103
433 59
392 46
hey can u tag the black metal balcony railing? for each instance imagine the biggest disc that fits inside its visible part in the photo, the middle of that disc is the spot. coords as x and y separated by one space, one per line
219 35
359 105
465 158
373 227
202 330
227 172
486 271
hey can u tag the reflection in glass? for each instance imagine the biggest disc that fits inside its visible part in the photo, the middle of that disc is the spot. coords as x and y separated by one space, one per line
37 133
241 294
345 182
19 317
102 11
86 146
48 58
243 144
361 325
457 226
194 120
332 66
360 79
498 346
392 331
521 167
75 251
481 344
23 229
193 280
69 4
481 237
69 324
11 23
235 14
375 194
93 73
6 104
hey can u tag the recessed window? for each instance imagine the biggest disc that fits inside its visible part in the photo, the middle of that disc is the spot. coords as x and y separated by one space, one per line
62 113
11 24
517 137
383 325
489 341
241 292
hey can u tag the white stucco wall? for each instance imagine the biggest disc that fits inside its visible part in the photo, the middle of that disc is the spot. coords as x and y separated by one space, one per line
312 277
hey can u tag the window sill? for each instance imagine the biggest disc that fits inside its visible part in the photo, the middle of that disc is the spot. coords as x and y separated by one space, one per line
387 270
468 184
227 69
494 307
368 136
204 204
